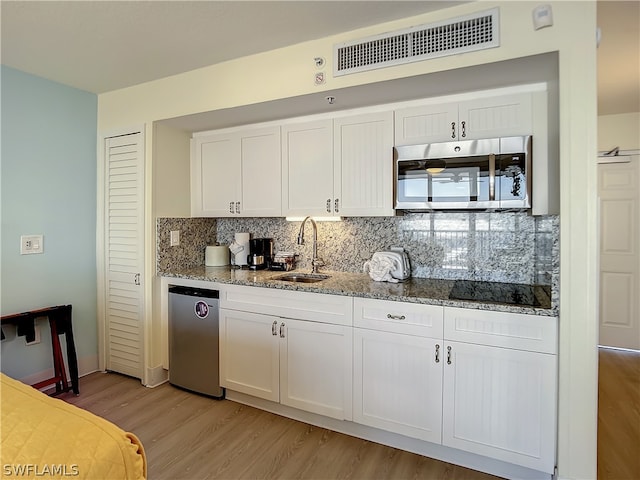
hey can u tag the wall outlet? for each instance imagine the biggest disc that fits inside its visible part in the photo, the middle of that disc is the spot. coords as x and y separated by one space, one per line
36 340
30 244
174 238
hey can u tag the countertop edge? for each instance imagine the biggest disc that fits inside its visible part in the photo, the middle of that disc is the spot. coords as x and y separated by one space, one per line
419 291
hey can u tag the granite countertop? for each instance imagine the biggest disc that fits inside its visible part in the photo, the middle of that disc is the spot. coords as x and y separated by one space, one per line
478 295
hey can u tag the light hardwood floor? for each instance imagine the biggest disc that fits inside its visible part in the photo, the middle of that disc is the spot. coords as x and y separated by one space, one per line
618 415
188 436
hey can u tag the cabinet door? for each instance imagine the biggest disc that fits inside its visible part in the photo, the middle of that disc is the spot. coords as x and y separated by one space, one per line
215 175
249 361
496 117
307 168
500 403
426 124
315 367
398 383
261 173
363 161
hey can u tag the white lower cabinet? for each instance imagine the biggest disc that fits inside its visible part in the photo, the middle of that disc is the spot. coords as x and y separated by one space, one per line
398 383
315 367
500 403
500 386
249 354
306 364
480 381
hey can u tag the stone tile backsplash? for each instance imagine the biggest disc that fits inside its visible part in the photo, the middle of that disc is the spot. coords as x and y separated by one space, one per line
195 235
510 247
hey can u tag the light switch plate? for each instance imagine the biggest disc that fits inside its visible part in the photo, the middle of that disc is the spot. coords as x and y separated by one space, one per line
30 244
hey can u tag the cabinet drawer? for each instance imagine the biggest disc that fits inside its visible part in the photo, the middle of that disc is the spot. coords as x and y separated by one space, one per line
315 307
398 317
536 333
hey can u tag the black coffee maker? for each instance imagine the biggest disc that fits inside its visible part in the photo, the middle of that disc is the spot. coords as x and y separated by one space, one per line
260 253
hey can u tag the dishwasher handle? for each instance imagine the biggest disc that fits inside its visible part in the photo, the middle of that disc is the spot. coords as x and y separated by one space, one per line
194 292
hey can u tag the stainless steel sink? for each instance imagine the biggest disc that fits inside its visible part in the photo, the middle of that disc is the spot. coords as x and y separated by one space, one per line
302 277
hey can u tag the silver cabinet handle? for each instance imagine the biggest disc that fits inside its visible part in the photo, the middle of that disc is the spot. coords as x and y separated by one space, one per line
237 207
230 207
274 328
464 129
437 353
492 177
328 205
136 279
336 205
282 330
396 317
453 129
449 355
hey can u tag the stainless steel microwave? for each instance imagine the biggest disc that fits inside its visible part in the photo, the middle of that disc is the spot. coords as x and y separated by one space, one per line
492 173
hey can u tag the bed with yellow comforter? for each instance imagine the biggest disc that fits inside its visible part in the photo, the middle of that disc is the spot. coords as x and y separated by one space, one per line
44 437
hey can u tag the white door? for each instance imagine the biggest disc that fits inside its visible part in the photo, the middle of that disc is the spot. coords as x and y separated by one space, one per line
307 168
315 367
124 254
398 383
500 403
618 187
363 167
249 361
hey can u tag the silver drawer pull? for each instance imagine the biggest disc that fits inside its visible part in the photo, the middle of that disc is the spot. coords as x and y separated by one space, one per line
437 353
396 317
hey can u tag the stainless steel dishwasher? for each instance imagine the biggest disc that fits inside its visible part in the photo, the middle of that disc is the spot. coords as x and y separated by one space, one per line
193 340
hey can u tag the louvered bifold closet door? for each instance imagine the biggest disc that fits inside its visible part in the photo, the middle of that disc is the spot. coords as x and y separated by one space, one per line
124 243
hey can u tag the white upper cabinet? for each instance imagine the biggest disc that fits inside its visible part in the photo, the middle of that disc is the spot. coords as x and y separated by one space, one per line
363 165
307 168
343 165
215 175
339 167
487 117
236 174
426 124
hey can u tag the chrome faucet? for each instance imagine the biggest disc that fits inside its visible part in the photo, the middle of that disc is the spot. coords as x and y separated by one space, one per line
315 261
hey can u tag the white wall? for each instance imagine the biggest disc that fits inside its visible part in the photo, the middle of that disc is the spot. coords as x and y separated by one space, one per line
289 72
622 130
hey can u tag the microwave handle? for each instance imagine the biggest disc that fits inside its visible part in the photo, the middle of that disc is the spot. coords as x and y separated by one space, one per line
492 177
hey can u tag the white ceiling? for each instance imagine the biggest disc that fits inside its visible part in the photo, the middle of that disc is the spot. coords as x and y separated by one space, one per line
100 46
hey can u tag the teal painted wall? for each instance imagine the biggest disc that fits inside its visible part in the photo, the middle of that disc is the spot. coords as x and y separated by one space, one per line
48 181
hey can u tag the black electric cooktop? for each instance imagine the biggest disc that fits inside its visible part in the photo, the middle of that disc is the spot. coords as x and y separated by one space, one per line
495 292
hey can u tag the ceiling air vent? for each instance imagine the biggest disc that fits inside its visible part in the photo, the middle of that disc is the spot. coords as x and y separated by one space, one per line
478 31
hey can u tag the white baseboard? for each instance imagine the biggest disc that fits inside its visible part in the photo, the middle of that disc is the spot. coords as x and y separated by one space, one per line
156 376
86 365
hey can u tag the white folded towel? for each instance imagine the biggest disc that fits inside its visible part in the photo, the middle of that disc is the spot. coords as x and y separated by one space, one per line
380 269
